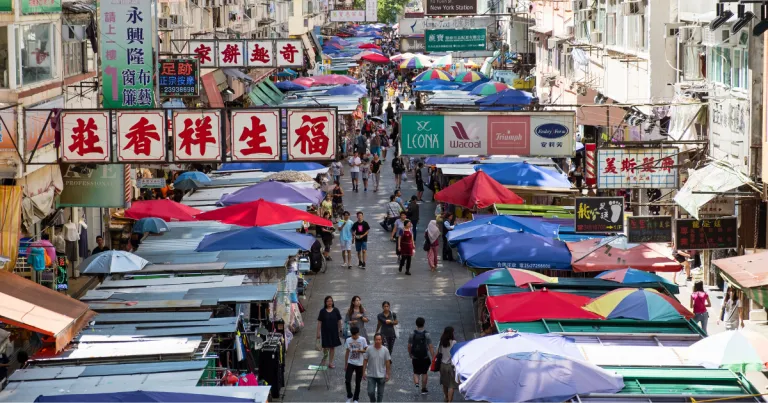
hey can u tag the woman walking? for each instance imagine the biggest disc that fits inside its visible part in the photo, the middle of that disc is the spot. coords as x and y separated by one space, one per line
365 172
700 302
387 321
326 235
433 241
376 172
448 223
447 372
731 311
356 316
329 329
405 247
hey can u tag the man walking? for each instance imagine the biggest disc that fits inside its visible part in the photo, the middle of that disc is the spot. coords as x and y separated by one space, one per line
376 367
360 230
421 350
413 213
354 170
393 211
345 239
353 362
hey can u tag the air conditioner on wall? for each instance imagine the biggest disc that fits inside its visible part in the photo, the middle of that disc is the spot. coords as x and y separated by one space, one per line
587 15
596 37
633 7
535 38
163 23
690 35
672 29
177 21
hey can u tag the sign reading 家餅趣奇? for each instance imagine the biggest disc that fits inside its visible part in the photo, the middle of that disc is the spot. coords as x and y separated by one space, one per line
599 215
654 228
710 233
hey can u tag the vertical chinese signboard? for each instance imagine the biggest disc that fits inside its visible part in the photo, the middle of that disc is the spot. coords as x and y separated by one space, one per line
85 136
456 40
599 215
178 77
255 135
655 228
125 32
311 134
289 53
715 233
140 136
196 135
40 6
622 168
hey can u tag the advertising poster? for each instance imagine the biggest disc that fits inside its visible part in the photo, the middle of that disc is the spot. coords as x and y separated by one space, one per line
599 215
103 186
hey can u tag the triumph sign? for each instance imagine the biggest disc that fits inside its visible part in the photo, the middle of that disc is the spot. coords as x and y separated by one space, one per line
545 134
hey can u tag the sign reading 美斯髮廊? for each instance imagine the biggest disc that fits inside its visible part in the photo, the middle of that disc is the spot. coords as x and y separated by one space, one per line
622 168
546 134
451 7
455 40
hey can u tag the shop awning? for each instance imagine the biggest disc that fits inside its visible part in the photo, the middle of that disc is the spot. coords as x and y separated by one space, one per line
540 30
310 49
706 183
747 271
212 90
616 253
31 306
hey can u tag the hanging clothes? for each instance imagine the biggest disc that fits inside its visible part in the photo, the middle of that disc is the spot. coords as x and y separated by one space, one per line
71 232
83 244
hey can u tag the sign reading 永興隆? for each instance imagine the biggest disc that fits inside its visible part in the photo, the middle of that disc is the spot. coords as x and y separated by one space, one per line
654 228
85 136
710 233
311 134
140 136
544 134
127 68
178 77
622 168
451 7
255 135
599 215
197 135
456 40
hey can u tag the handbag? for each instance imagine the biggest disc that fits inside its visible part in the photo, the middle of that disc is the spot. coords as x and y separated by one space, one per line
427 245
345 331
437 361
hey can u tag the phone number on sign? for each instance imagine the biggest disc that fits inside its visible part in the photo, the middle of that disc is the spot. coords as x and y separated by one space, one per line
178 90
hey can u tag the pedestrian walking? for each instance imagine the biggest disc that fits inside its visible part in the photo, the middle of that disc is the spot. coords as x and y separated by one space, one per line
337 168
419 181
361 142
353 362
448 223
387 321
731 312
376 144
326 235
329 329
356 316
346 239
421 351
398 168
397 230
406 247
376 368
393 212
699 303
365 172
337 198
354 170
432 235
360 230
413 213
326 206
376 172
447 371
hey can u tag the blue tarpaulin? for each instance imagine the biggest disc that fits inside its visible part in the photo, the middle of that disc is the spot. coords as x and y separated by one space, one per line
140 396
515 250
352 89
271 166
524 174
254 238
501 225
505 98
290 86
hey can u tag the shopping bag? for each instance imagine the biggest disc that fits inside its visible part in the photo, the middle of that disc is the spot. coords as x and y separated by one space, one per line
437 360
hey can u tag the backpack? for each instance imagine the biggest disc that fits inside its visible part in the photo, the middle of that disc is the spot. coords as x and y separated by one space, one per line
419 348
397 164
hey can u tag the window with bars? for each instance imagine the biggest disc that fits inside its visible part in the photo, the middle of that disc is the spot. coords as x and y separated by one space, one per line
74 60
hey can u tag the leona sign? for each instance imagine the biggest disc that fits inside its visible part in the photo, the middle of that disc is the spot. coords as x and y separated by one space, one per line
547 134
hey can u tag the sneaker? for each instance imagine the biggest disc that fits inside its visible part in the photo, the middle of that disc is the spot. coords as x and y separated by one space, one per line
349 400
363 265
365 190
424 391
359 264
349 267
416 385
407 273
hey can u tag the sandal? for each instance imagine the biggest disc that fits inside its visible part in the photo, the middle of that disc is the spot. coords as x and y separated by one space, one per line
331 366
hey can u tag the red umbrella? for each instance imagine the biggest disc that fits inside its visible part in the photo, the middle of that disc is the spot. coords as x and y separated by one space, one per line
537 305
332 79
304 81
167 210
261 213
599 255
479 190
376 58
369 46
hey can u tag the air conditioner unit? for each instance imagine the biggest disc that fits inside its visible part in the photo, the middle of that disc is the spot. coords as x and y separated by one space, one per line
691 35
576 5
69 32
587 15
566 48
596 37
536 38
633 7
672 29
163 23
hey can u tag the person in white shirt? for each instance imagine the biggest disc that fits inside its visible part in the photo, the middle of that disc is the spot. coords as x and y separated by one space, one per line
376 368
353 362
354 163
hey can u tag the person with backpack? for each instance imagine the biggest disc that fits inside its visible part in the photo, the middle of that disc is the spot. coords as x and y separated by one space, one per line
398 167
421 350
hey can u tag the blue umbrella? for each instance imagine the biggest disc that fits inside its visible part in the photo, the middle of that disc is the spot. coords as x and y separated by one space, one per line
194 175
271 166
437 86
254 238
152 225
524 174
276 192
501 224
112 261
289 86
141 396
351 89
506 98
515 250
187 184
449 160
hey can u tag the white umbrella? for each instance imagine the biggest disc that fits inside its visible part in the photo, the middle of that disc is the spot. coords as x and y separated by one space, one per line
401 56
443 61
738 350
112 261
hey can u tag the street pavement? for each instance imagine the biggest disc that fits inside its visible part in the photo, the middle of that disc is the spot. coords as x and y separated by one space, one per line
429 295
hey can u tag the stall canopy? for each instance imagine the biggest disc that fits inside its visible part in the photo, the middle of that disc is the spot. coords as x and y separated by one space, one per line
141 396
167 210
276 192
523 174
505 277
705 183
498 225
616 253
515 250
638 303
261 213
31 306
271 166
537 305
254 238
749 272
477 190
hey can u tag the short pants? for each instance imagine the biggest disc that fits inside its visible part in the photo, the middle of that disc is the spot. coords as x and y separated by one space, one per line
421 365
346 245
361 246
355 175
376 151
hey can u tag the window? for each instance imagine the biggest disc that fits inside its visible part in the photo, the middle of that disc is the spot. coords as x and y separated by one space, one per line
74 60
728 66
692 62
4 73
740 69
610 29
35 45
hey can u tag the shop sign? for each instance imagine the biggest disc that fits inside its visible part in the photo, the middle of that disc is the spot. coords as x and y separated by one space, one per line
230 53
414 9
599 215
412 45
654 228
140 136
85 137
715 233
417 26
720 205
311 134
524 84
729 130
178 77
6 6
451 7
125 32
649 168
372 10
453 40
260 54
347 16
253 53
40 6
289 53
150 183
103 186
545 134
255 135
197 135
204 51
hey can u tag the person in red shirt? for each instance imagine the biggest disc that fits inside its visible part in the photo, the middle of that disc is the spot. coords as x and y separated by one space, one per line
406 247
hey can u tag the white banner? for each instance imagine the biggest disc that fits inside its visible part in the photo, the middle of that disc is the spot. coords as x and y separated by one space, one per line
622 168
372 10
311 134
85 136
255 135
347 16
140 136
231 53
197 135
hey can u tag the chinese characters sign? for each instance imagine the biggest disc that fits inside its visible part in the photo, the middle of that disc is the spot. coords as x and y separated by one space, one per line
253 53
40 6
621 168
196 135
125 31
599 214
289 53
347 16
447 40
85 137
140 136
178 77
311 134
715 233
720 206
654 228
260 54
204 52
255 135
230 53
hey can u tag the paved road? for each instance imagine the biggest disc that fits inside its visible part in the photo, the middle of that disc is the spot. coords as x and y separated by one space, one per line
430 295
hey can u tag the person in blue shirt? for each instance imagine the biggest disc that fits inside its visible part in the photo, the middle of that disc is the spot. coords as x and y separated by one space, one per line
345 238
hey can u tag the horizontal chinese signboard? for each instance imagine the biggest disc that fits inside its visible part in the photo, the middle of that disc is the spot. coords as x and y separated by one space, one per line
179 77
347 16
254 135
417 26
86 136
451 7
546 134
196 135
150 183
719 206
455 40
599 215
140 136
654 228
622 168
715 233
312 134
244 53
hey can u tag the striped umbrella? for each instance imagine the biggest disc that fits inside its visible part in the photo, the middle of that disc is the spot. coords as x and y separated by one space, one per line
444 61
415 62
469 77
433 74
489 88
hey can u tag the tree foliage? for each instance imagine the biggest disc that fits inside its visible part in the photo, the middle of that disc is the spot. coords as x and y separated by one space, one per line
389 10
